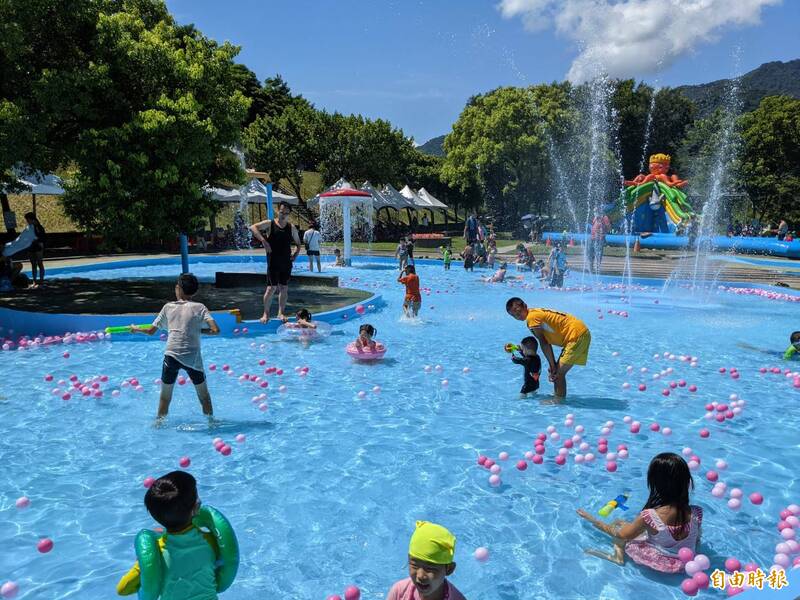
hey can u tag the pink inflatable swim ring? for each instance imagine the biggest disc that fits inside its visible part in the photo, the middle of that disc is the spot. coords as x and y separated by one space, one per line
357 354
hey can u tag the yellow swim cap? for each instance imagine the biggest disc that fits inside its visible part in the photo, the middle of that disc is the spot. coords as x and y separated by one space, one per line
432 543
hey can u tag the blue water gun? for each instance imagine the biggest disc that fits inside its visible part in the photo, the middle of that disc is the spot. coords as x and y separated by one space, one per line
618 502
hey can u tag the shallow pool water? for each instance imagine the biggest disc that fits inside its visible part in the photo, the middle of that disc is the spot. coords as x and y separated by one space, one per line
326 488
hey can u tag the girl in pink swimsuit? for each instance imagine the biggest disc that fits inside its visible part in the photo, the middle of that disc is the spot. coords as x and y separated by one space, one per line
666 524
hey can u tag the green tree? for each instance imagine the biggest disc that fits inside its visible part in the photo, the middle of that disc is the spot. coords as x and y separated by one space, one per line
499 144
286 144
770 158
361 149
164 113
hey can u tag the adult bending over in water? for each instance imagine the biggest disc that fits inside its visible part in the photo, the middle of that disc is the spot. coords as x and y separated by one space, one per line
277 236
553 328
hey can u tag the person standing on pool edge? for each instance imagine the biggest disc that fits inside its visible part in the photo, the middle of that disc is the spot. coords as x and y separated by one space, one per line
280 235
553 328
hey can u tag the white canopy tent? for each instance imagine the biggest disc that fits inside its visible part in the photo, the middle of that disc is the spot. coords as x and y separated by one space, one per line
256 194
397 199
33 184
430 199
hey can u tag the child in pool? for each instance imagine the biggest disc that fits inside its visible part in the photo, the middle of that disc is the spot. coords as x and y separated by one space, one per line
499 275
447 256
666 524
413 299
303 321
468 254
364 341
190 570
184 320
529 358
430 560
339 258
794 346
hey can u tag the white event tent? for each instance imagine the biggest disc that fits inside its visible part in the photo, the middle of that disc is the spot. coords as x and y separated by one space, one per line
256 194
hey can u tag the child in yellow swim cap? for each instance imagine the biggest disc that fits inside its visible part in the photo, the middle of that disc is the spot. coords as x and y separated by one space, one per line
430 560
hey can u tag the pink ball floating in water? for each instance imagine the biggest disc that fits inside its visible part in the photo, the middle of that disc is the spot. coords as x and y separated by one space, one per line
481 554
756 498
240 438
45 545
537 459
734 504
642 387
9 589
148 481
692 388
611 466
635 427
22 502
732 564
712 476
736 493
495 469
655 427
704 433
334 597
560 459
184 461
522 465
503 456
225 450
685 554
494 480
362 394
665 392
788 533
351 592
689 587
263 407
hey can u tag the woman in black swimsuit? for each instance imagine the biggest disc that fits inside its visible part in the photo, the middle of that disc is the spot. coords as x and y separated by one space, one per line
36 249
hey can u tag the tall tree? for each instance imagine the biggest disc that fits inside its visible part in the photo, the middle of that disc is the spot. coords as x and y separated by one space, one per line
164 113
770 160
286 144
499 144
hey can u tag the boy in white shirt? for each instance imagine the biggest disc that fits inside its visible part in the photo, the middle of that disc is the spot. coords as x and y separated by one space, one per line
184 320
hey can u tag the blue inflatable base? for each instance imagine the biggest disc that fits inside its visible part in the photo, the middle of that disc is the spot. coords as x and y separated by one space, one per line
668 241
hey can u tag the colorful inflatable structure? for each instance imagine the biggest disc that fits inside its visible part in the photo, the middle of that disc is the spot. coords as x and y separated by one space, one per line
654 202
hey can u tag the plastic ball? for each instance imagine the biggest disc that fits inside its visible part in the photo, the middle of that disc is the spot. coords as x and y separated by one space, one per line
736 493
732 564
537 459
494 480
692 567
334 597
611 466
503 456
9 589
717 492
666 431
642 387
704 433
184 461
225 450
495 469
685 554
22 502
148 481
712 476
360 309
703 561
263 407
481 554
240 438
522 465
756 498
560 459
788 533
45 545
692 388
445 383
734 504
351 592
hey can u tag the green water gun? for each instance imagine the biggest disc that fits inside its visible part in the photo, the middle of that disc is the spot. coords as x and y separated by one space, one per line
618 502
125 328
512 348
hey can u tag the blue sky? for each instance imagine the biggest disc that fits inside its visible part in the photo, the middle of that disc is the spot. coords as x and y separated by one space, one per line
416 62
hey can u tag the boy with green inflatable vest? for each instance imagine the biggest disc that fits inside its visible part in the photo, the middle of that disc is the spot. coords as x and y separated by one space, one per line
794 346
185 562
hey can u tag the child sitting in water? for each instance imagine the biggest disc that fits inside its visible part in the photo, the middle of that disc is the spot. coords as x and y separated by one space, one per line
339 258
413 299
794 346
666 524
191 554
430 560
529 358
184 320
364 341
498 275
303 321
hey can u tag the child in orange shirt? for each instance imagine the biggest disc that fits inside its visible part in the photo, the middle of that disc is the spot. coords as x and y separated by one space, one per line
413 299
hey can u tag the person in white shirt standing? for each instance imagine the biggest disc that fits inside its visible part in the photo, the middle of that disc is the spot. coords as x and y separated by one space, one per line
312 241
184 320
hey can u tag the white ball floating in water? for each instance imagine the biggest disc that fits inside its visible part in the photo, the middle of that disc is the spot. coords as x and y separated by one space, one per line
10 589
376 389
445 382
362 394
282 389
465 370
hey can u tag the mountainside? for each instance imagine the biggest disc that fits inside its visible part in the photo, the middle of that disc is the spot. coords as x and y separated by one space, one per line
770 79
433 146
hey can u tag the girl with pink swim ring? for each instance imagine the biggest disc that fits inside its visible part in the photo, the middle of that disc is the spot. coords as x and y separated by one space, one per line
666 525
364 347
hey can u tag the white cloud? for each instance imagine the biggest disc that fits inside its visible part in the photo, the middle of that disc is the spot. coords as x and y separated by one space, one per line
626 38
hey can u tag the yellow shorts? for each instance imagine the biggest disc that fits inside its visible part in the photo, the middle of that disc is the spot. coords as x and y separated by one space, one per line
577 352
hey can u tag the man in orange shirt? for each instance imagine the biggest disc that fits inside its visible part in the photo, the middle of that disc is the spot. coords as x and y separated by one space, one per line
413 299
553 328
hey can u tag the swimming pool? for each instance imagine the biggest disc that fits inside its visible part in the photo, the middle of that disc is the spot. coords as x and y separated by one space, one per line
325 490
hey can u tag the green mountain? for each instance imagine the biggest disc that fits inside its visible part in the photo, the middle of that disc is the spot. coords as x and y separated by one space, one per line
433 146
770 79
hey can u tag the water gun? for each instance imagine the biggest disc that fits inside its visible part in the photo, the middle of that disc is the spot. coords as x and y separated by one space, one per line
125 328
618 502
512 348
